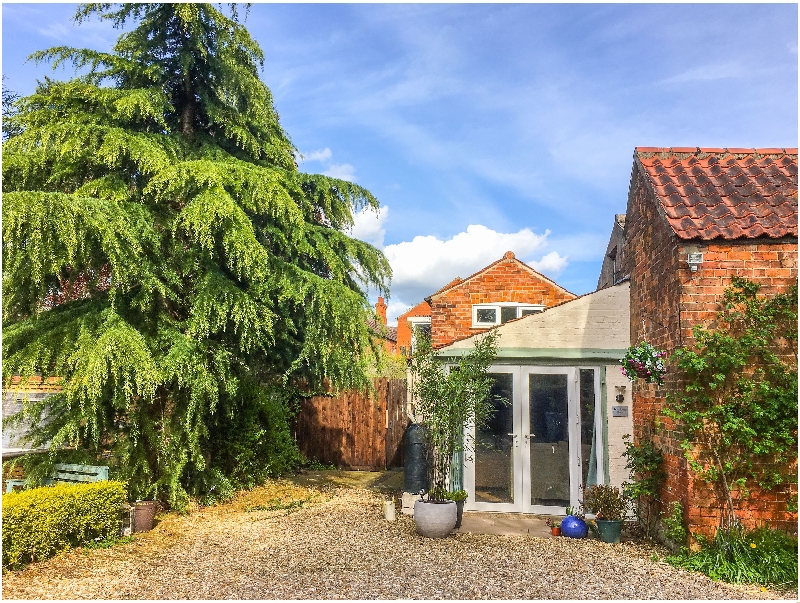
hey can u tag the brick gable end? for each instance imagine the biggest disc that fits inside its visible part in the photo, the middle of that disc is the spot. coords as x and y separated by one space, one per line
506 281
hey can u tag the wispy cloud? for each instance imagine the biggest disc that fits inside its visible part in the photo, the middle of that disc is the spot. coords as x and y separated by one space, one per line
92 33
343 171
320 155
706 73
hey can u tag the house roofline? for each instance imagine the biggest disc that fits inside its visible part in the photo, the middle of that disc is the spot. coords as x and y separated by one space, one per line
624 279
700 152
508 255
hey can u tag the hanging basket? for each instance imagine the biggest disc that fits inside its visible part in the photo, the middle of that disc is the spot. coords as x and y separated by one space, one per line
644 361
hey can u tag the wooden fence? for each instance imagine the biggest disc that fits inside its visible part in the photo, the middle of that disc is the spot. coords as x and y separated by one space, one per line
356 430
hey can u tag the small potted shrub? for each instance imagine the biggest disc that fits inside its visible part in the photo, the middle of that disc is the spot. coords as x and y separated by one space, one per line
574 525
460 496
554 524
610 507
445 401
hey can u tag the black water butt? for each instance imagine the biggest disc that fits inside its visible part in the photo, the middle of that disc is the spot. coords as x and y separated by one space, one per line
415 469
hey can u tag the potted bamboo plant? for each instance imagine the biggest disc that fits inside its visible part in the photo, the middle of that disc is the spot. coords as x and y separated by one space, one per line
445 401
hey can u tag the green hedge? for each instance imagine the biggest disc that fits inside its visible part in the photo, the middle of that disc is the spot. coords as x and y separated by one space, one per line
41 522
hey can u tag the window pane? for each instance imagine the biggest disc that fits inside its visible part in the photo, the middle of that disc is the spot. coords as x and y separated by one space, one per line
549 440
494 447
508 313
529 311
588 431
487 315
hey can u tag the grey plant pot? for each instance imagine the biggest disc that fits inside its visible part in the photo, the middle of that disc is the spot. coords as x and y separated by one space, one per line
435 519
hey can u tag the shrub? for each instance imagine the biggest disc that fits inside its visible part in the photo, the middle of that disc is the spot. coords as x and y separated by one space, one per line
761 556
606 502
41 522
645 462
675 527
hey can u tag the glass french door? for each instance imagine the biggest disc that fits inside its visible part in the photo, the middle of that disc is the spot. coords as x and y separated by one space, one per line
541 446
492 475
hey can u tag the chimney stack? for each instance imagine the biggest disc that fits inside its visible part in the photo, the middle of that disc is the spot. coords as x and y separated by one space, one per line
380 310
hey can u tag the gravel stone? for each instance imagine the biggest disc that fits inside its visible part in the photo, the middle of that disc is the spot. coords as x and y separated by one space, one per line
339 546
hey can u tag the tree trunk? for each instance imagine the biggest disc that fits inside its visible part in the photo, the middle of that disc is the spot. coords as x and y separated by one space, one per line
189 109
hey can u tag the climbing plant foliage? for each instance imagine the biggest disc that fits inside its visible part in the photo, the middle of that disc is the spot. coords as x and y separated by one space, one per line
165 258
737 398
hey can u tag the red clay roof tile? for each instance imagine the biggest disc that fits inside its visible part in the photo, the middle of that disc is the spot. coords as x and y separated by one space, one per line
710 193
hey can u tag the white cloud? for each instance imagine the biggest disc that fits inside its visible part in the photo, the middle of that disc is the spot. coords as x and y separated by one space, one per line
422 266
319 155
368 225
393 310
551 264
343 171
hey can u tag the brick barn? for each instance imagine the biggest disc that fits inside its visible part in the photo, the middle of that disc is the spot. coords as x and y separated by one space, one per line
738 208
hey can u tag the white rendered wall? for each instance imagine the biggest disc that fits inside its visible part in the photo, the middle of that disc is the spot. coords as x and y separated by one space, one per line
617 426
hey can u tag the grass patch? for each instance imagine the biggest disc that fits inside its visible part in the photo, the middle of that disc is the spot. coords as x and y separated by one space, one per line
279 495
762 556
278 505
106 543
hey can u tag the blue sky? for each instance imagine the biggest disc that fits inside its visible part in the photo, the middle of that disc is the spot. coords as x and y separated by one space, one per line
483 128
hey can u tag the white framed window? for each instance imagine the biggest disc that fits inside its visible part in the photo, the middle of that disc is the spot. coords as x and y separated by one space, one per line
419 322
489 315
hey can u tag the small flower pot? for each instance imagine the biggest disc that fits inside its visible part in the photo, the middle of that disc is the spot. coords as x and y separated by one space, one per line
555 531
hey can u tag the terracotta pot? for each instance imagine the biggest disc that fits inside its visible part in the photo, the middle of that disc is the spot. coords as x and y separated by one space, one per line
555 531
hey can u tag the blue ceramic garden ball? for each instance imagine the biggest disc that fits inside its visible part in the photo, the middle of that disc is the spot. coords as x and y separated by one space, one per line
574 527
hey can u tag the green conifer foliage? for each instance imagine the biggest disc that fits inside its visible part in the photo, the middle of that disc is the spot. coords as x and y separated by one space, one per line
164 256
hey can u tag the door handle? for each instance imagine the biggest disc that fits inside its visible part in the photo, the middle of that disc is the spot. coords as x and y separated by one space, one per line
516 439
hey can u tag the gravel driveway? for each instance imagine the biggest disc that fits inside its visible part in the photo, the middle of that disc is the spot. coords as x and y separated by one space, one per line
340 547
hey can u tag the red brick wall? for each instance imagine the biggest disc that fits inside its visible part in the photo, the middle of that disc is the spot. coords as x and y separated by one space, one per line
403 327
773 264
667 300
506 281
652 260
